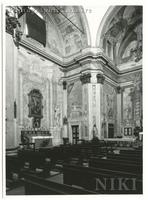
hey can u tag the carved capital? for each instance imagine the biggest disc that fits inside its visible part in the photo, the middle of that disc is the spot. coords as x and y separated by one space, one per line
118 89
100 78
64 85
85 78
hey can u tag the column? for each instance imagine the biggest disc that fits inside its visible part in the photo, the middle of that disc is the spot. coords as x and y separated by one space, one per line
99 98
119 111
64 132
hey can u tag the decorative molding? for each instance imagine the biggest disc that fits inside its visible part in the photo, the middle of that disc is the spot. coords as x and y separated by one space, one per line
100 78
13 27
78 61
85 78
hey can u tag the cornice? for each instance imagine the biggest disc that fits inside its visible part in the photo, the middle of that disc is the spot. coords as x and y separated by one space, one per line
79 60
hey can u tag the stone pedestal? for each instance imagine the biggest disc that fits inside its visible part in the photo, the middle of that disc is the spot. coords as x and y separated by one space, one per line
56 133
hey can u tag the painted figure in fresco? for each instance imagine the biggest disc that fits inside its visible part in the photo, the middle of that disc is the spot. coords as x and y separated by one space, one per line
109 106
128 112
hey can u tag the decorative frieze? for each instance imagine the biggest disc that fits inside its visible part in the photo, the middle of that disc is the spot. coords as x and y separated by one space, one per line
85 78
94 96
100 78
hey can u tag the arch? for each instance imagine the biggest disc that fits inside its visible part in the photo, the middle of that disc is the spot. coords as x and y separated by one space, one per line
110 13
86 24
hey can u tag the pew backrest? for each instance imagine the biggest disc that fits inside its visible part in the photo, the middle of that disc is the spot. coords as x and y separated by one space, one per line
87 178
115 165
39 186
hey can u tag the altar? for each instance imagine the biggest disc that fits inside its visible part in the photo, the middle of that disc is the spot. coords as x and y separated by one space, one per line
39 139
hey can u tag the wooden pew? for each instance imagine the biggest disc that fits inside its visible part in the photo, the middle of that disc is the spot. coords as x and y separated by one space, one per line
124 157
87 177
115 165
133 152
80 151
39 186
36 160
13 165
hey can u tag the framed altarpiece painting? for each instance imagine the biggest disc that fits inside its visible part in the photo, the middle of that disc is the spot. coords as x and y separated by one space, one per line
35 106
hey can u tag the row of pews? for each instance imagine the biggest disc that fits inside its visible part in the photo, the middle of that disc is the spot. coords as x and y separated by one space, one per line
105 173
118 175
46 158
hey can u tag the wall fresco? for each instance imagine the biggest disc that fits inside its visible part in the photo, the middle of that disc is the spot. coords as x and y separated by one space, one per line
74 91
43 76
127 104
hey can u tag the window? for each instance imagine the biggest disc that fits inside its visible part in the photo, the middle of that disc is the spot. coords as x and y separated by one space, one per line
35 26
36 12
128 131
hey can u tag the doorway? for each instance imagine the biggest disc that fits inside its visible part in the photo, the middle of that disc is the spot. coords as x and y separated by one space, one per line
75 133
110 130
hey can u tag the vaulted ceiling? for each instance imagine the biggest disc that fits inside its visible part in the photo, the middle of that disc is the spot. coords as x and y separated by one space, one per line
72 27
121 34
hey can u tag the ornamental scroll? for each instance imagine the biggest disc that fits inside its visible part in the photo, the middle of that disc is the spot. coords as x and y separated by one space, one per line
35 104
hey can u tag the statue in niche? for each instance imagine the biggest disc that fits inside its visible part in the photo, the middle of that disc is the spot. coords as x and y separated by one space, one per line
57 115
95 132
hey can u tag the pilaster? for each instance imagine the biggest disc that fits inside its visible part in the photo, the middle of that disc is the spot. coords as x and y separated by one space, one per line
64 130
119 110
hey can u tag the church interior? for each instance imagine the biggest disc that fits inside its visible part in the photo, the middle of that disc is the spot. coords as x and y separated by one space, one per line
73 101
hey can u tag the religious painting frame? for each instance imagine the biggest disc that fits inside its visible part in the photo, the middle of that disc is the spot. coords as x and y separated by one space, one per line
35 104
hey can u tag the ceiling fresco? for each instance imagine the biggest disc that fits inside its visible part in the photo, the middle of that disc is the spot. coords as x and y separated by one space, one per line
123 35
